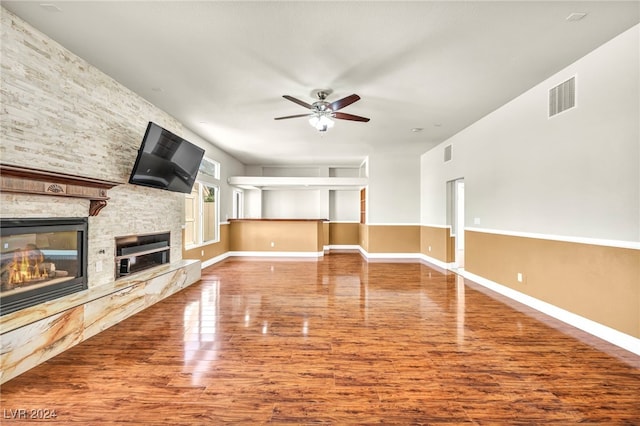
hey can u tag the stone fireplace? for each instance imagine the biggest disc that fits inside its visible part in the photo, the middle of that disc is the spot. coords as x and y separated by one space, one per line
41 260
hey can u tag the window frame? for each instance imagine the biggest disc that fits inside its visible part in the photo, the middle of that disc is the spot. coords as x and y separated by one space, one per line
208 176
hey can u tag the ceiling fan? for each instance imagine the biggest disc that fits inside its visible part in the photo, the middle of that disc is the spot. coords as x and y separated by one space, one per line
321 112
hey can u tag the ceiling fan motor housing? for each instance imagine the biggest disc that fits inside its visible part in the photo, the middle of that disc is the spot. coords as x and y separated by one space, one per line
322 105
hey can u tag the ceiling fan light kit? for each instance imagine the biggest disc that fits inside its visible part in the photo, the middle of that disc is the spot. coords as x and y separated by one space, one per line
321 122
322 112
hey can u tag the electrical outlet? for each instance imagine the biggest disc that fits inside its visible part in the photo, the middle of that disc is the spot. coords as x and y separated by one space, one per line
273 244
99 266
519 277
429 248
201 252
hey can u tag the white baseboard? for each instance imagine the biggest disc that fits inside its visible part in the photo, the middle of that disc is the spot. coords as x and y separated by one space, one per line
434 261
214 260
228 254
276 253
389 256
342 247
615 337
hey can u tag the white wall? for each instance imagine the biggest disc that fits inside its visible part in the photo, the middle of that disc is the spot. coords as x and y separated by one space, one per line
576 174
393 194
344 206
295 171
344 172
252 203
292 204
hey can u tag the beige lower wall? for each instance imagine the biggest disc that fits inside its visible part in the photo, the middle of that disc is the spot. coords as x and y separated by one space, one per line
344 234
293 236
211 250
393 238
451 249
363 236
440 241
600 283
326 234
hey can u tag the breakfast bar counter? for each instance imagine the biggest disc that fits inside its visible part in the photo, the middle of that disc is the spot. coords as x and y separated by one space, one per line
295 237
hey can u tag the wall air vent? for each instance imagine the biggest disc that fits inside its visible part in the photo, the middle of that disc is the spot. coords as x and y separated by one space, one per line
562 97
447 153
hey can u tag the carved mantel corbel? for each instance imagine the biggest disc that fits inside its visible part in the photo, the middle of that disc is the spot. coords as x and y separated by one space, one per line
25 180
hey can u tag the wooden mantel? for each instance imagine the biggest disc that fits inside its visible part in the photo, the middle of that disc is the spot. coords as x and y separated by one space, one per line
25 180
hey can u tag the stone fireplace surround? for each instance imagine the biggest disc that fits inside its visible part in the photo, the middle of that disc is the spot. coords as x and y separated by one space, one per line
64 115
32 335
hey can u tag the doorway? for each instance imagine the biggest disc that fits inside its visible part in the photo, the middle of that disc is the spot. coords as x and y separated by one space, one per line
456 201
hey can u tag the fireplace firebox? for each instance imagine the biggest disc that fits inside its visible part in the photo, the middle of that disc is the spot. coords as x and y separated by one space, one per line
41 260
135 253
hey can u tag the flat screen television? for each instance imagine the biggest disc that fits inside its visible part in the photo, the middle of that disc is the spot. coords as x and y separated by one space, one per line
166 161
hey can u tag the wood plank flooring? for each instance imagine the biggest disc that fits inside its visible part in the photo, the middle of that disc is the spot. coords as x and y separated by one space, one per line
334 341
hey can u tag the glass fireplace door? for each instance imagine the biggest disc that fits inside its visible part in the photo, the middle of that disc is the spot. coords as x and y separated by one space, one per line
41 259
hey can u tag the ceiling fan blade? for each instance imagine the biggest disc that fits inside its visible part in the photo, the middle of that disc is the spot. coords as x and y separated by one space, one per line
341 103
345 116
297 101
292 116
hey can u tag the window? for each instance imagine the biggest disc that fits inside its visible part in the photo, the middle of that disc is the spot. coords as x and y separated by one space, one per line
202 214
210 168
202 206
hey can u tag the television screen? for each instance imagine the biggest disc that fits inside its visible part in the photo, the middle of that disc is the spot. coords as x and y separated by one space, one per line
166 161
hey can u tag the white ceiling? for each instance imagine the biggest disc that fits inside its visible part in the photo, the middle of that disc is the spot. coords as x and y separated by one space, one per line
221 68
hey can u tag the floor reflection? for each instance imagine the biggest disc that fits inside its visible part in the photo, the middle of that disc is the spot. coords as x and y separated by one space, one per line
336 341
460 309
200 324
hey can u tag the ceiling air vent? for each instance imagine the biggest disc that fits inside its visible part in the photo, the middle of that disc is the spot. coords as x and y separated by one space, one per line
562 97
447 153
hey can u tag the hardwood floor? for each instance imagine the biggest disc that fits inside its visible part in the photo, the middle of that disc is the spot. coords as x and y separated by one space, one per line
337 341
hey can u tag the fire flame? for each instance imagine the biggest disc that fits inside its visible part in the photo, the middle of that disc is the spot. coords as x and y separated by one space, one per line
26 266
